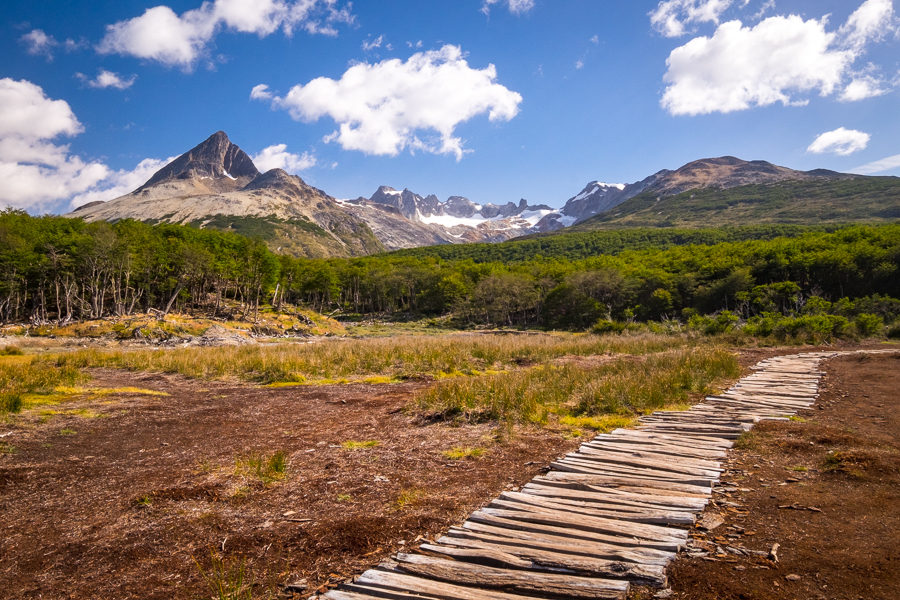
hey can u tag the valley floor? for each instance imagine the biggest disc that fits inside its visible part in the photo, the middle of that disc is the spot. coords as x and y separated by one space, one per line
119 496
135 494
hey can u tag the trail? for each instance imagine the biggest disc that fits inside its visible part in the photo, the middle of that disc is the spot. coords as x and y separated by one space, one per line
610 514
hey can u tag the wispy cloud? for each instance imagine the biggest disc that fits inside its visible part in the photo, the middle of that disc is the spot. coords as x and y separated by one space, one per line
889 163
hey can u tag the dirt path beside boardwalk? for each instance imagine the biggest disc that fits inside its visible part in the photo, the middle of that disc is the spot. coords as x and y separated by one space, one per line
826 489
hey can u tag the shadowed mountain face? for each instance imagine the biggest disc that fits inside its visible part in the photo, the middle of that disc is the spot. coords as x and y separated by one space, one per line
212 159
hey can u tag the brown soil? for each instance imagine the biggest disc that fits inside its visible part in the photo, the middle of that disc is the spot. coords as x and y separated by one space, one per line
826 489
122 505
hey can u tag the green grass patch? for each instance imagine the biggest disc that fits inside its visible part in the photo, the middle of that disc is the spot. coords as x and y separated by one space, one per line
24 378
623 389
601 424
464 453
359 445
409 497
265 468
344 498
67 431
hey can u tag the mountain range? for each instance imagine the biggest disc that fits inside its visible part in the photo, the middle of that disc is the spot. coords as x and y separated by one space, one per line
217 185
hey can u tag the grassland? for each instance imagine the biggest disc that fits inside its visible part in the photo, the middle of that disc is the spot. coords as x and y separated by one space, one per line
388 359
598 397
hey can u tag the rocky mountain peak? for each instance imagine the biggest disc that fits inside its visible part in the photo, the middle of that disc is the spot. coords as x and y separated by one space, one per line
214 158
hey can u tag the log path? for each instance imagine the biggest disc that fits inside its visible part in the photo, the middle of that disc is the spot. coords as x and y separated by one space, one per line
612 513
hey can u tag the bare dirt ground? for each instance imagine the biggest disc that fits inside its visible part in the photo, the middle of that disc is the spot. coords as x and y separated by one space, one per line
121 506
826 489
133 503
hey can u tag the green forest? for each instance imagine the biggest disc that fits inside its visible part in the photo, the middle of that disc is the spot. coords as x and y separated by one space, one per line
55 270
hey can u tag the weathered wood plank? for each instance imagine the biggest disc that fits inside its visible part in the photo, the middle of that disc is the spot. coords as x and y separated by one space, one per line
626 513
492 554
638 484
617 497
549 516
509 519
392 580
542 538
567 586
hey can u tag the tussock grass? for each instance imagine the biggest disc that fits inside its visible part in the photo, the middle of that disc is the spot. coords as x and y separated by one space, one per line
396 358
227 579
463 453
409 497
22 379
622 388
357 445
262 467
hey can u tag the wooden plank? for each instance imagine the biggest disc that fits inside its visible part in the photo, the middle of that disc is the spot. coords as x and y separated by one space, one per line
550 516
586 464
510 520
629 483
501 556
617 497
632 473
467 574
392 580
626 513
671 439
542 539
637 444
686 466
605 497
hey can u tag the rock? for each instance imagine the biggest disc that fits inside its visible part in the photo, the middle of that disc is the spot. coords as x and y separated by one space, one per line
792 577
710 521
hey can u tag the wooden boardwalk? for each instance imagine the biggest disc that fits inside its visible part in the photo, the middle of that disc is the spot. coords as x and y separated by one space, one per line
612 513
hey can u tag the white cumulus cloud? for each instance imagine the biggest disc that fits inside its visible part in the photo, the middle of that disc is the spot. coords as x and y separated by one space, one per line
888 163
387 107
277 157
108 79
781 59
672 17
36 171
120 182
840 141
180 40
516 7
862 87
741 67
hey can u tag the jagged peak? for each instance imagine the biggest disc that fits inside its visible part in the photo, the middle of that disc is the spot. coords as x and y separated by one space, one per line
215 158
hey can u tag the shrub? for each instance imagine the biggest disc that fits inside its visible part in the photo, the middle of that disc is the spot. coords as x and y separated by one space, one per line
868 325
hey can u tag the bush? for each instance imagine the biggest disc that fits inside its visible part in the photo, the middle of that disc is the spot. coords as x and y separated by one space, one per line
868 325
712 325
893 331
812 328
607 326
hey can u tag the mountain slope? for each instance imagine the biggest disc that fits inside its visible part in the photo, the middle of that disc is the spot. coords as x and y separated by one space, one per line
216 185
812 200
456 220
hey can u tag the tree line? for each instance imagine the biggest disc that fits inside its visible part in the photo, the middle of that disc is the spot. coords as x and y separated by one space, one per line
54 269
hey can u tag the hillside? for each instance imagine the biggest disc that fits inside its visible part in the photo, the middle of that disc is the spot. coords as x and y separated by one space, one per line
215 185
812 201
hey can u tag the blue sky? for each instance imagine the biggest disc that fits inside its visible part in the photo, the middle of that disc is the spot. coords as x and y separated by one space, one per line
495 100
